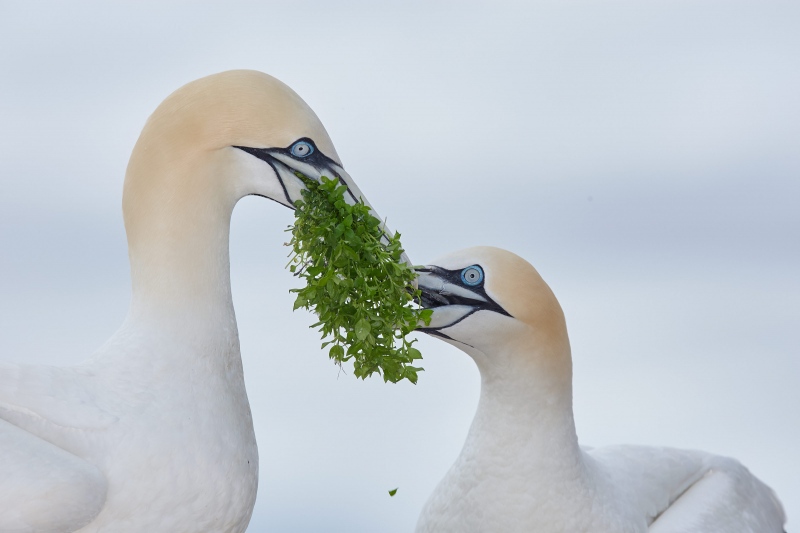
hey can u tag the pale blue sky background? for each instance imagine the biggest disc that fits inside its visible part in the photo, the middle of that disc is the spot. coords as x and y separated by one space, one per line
645 158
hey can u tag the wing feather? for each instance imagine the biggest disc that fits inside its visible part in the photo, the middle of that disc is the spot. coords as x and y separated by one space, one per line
727 499
45 489
687 491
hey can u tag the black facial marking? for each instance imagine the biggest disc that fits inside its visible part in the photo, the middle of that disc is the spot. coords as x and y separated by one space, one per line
317 159
263 154
322 163
437 333
432 300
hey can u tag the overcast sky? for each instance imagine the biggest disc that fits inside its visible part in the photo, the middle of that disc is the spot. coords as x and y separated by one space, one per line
645 158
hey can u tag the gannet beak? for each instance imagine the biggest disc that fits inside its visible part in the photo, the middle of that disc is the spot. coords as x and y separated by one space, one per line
305 158
452 300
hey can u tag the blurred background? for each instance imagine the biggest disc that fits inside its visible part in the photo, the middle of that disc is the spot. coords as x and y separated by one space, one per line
644 157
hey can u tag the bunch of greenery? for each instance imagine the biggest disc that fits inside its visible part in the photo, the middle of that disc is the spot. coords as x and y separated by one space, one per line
359 287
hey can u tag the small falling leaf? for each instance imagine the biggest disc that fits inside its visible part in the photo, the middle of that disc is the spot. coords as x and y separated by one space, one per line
393 492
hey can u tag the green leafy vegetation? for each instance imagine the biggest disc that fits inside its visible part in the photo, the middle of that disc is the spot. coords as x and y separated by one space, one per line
358 286
392 492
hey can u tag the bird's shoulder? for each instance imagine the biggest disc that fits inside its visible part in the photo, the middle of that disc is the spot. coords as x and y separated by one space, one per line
66 397
648 478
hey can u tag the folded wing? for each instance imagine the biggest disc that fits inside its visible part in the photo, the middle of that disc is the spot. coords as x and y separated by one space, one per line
685 491
44 488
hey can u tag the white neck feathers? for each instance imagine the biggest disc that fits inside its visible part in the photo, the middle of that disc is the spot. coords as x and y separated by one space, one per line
525 409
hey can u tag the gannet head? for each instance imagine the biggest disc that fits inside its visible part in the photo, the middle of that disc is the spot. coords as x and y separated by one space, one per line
249 130
486 300
207 145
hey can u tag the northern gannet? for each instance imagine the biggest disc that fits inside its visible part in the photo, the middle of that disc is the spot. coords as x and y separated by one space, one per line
521 468
153 433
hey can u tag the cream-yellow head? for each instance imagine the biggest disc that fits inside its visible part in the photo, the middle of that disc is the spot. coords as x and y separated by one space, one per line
252 131
488 301
210 143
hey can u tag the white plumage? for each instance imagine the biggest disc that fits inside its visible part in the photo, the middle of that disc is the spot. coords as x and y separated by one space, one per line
521 468
153 433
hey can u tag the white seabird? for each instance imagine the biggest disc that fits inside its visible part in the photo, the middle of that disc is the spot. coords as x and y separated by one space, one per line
153 433
521 468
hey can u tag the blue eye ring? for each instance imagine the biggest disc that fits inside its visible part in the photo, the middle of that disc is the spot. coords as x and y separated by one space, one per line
472 275
302 149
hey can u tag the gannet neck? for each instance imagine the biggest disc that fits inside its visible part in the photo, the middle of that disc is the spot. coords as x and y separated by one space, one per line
177 217
185 176
526 397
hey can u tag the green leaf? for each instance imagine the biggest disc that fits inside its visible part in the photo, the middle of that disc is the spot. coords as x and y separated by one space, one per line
362 329
336 352
299 302
413 353
393 492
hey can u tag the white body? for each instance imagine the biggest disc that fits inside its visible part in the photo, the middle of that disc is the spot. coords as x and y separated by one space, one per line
158 426
521 469
154 433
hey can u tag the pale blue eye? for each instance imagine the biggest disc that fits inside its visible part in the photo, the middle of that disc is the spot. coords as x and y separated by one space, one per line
302 149
472 275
